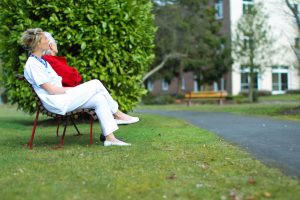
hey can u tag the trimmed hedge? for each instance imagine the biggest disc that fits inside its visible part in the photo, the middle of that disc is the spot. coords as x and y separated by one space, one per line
293 92
109 40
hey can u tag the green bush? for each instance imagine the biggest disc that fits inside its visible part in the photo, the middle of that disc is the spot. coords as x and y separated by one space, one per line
158 99
293 92
257 93
109 40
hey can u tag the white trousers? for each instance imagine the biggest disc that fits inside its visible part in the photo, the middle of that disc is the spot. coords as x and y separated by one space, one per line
93 94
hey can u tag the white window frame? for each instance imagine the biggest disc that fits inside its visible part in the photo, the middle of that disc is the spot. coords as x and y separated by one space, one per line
216 87
219 9
196 85
280 70
183 83
164 85
247 4
150 85
247 70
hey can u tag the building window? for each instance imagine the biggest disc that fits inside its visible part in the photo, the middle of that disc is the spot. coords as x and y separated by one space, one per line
196 84
219 9
247 5
182 83
215 85
150 85
165 85
245 79
279 79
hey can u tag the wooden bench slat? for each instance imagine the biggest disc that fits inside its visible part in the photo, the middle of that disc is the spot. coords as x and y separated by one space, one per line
206 94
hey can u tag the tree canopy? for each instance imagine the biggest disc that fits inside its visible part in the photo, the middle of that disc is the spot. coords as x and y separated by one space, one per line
189 36
252 43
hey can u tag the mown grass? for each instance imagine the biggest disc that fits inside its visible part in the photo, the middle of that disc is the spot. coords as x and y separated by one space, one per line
280 110
169 159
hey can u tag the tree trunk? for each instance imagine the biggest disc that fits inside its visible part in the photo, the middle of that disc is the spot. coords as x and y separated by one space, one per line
252 66
251 85
162 64
295 12
180 78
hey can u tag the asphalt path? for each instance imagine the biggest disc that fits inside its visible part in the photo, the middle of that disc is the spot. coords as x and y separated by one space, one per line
275 142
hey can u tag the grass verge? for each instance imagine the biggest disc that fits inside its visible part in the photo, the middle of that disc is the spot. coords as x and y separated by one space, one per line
285 111
169 159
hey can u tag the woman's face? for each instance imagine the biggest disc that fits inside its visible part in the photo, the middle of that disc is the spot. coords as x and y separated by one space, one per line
44 43
53 48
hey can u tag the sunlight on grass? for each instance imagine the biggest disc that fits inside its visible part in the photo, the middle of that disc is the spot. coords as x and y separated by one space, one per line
169 159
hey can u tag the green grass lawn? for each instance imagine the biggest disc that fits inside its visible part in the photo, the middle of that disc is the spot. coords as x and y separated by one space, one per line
281 110
281 97
169 159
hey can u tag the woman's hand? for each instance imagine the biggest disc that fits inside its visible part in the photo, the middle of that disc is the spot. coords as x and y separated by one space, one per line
51 89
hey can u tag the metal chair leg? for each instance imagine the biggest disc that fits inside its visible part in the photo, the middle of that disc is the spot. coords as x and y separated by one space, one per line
62 141
34 127
78 132
58 123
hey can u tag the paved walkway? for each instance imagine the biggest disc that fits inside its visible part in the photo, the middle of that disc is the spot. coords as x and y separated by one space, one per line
275 142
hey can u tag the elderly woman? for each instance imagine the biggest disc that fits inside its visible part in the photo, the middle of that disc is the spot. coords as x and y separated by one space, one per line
70 76
58 99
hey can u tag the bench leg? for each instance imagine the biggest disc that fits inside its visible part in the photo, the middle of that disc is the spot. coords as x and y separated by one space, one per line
221 101
33 128
91 129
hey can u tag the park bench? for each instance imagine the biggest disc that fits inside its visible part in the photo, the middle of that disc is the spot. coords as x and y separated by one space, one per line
206 95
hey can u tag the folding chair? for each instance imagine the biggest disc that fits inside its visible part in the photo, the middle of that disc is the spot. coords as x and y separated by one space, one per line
66 118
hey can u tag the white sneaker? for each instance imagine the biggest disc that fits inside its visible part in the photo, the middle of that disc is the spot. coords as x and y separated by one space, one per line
131 121
115 143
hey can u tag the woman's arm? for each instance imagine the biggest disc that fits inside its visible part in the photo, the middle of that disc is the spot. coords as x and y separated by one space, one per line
51 89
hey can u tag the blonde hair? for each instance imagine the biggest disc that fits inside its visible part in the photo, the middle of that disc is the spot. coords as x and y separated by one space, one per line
31 37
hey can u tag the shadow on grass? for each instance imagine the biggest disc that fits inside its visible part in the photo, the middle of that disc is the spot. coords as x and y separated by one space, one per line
43 122
45 135
48 141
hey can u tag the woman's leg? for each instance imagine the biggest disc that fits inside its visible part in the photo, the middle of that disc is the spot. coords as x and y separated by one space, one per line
83 92
102 90
106 120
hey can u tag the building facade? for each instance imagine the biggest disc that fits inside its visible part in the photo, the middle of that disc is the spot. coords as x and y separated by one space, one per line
280 76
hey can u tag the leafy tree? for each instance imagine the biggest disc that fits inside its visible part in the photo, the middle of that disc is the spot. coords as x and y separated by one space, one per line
252 43
189 35
293 5
110 40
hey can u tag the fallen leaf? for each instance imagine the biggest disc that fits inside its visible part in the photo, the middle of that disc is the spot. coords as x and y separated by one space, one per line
232 194
204 166
172 176
57 147
267 194
251 180
250 198
21 170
